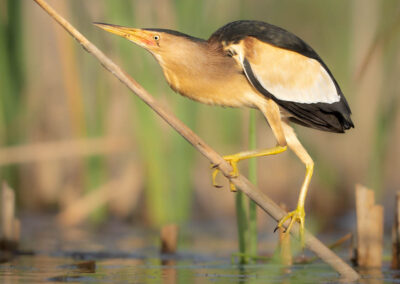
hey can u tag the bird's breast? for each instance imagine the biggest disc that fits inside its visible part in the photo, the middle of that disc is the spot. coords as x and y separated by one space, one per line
224 89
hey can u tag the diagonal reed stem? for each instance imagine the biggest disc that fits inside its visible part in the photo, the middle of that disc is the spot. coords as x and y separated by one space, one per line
243 184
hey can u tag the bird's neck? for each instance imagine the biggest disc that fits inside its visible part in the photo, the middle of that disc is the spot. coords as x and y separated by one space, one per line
188 70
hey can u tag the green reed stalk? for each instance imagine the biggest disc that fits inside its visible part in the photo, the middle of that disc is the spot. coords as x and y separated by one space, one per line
12 75
246 210
253 178
243 226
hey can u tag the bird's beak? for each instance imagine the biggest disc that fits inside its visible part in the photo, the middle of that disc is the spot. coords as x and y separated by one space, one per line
138 36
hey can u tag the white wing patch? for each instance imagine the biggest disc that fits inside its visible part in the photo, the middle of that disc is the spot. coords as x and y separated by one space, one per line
287 75
320 90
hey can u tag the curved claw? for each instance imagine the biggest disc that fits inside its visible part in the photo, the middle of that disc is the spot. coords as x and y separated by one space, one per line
235 172
296 215
214 176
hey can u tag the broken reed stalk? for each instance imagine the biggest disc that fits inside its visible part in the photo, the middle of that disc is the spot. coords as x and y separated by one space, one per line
9 224
285 251
240 182
284 247
369 229
169 238
396 235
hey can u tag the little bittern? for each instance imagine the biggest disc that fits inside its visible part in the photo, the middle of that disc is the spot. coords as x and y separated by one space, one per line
257 65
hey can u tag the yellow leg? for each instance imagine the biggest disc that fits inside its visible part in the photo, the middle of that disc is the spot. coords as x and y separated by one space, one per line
235 158
298 215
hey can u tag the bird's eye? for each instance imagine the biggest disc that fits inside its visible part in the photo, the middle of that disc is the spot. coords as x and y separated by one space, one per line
156 37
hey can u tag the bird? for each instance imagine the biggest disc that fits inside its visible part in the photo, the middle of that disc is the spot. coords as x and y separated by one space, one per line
252 64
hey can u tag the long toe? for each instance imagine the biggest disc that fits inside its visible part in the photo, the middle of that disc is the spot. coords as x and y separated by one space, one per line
297 215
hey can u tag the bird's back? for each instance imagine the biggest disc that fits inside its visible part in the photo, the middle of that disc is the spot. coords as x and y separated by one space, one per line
332 116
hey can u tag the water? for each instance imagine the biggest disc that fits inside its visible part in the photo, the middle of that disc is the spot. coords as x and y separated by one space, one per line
124 254
45 268
52 269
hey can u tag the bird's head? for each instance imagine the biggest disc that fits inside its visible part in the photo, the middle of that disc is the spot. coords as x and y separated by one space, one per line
150 40
165 45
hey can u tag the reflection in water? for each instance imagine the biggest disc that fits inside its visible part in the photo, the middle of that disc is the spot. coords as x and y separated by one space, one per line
371 275
82 267
174 269
126 256
169 275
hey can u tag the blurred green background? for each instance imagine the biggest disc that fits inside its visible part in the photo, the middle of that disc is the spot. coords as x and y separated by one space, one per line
75 143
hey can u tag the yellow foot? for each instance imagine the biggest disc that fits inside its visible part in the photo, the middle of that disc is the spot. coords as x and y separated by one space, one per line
296 215
232 160
235 158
